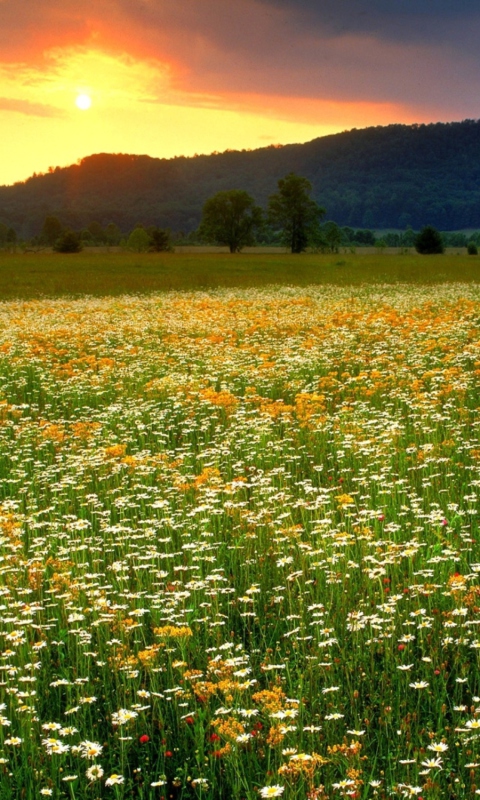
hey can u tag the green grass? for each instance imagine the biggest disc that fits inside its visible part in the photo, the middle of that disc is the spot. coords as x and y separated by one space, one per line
239 543
49 274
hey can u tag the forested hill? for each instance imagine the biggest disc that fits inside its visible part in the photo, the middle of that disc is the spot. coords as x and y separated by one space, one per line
378 177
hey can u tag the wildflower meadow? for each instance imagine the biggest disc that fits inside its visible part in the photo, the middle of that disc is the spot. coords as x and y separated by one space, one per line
239 544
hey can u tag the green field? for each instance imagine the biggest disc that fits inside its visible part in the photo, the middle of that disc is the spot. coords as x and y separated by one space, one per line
52 274
239 527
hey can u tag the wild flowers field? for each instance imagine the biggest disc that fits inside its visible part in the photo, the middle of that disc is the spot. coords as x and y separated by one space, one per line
239 545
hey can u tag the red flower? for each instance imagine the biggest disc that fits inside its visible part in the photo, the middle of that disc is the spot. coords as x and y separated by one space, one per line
168 754
189 720
401 647
144 739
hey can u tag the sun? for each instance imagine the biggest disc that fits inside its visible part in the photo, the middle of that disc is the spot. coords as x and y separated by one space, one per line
83 102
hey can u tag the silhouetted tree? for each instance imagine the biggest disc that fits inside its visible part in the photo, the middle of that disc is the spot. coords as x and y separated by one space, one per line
159 239
97 232
293 212
68 242
52 230
113 234
429 241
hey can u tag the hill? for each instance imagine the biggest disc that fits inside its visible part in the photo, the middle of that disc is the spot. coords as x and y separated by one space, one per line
379 177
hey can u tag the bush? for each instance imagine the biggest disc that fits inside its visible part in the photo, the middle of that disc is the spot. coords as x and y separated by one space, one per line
139 241
159 240
68 242
472 249
429 241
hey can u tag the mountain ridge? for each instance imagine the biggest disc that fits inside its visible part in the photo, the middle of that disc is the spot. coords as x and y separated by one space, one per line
378 177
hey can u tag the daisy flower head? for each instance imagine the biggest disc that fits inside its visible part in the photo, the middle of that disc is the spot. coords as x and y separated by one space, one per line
272 791
94 773
114 780
438 747
432 763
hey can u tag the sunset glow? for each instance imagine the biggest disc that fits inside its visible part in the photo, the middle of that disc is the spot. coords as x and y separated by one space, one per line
168 81
83 102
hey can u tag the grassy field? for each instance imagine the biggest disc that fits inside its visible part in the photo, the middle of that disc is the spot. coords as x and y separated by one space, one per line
239 539
52 274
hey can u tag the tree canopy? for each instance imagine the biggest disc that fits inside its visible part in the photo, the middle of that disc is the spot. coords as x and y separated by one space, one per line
292 211
389 177
231 218
429 241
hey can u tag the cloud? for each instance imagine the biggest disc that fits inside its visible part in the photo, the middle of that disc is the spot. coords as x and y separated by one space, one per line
396 20
30 109
421 54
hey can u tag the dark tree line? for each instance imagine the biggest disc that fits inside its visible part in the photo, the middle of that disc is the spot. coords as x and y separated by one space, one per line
397 176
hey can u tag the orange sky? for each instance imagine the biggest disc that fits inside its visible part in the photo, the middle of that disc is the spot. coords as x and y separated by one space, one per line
177 79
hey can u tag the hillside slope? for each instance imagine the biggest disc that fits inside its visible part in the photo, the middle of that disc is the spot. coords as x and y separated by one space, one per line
377 177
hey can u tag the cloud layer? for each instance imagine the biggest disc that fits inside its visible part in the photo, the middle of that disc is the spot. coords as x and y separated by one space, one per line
413 52
291 69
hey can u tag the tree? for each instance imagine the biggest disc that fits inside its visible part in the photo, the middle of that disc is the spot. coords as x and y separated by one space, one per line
139 240
97 232
68 242
159 239
52 229
11 239
231 218
113 233
429 241
293 211
333 236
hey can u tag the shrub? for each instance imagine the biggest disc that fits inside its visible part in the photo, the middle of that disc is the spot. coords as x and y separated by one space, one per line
68 242
429 241
472 249
139 241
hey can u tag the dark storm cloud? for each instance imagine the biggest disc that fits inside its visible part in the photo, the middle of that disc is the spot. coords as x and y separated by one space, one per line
415 53
406 20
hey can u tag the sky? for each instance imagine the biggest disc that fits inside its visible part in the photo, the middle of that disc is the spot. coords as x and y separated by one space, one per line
169 78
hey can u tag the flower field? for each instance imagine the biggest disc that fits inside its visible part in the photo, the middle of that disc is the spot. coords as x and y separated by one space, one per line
239 544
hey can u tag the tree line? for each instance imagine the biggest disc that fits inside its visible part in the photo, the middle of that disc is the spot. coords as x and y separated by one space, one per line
231 218
390 177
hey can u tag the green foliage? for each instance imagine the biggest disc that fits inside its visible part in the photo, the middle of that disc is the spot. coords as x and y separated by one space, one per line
139 241
113 234
472 249
333 236
429 241
379 177
292 211
52 230
68 242
232 219
97 232
160 240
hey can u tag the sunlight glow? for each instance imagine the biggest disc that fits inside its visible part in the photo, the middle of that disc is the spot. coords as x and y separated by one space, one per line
83 102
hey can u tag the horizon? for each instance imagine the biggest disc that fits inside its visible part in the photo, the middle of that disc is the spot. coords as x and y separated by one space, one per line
89 76
81 159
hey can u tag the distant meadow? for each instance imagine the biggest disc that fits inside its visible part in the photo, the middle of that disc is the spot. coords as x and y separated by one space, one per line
239 536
